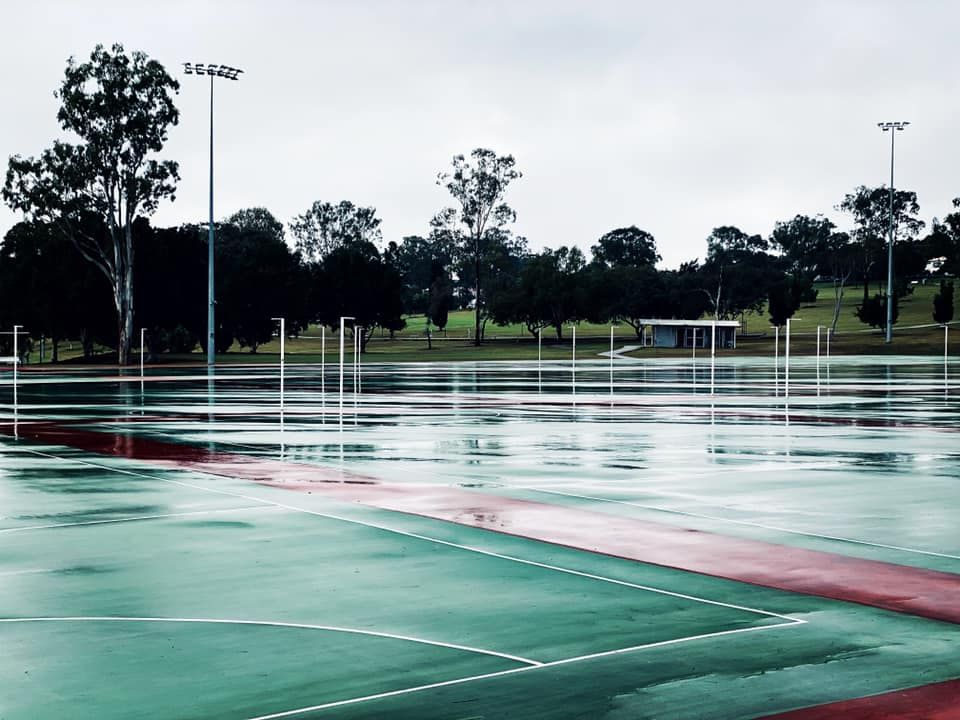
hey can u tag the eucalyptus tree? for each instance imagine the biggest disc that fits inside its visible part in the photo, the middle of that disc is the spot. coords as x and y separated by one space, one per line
870 210
479 186
120 107
737 271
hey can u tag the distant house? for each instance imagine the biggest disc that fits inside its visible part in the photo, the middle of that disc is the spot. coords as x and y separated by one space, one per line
689 333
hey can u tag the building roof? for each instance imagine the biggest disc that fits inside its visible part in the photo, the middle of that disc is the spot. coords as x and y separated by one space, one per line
653 322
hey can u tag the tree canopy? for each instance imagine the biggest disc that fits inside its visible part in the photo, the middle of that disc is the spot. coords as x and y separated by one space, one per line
324 227
121 108
629 246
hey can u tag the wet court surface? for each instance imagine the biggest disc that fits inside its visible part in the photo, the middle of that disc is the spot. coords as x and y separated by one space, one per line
479 541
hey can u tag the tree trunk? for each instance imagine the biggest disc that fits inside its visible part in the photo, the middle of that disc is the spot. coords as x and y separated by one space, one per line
86 341
123 293
838 298
123 299
838 287
54 349
476 269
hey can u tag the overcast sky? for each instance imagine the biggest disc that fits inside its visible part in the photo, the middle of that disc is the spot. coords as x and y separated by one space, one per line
676 117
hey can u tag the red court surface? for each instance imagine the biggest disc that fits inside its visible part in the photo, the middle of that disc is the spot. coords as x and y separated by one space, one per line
939 701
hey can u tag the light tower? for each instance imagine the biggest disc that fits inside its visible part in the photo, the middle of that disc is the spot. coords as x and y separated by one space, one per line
212 70
892 128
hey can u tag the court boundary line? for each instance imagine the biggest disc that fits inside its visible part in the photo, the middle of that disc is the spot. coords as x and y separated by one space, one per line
427 538
689 513
275 623
134 518
516 671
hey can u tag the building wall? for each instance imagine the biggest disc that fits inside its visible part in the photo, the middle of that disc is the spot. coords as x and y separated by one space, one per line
681 336
665 336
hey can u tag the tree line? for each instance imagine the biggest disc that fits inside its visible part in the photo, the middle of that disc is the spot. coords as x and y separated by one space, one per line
87 264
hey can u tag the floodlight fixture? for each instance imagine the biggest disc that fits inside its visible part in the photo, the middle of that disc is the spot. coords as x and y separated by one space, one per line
212 70
898 125
892 128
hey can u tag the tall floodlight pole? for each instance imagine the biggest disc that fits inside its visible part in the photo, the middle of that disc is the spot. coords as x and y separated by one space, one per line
212 70
892 128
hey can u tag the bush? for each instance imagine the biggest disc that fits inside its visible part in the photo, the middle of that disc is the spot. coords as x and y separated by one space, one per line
943 303
873 311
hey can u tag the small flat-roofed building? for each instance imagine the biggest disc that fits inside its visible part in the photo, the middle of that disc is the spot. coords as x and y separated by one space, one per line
689 333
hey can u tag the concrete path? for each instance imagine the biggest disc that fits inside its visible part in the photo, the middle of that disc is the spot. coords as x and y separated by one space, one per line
619 352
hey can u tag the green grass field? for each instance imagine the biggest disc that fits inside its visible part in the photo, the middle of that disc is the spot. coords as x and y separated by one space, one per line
513 342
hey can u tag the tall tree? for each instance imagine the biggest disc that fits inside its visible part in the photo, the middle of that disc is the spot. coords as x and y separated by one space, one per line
324 227
803 242
627 294
417 259
737 271
839 262
547 292
354 280
121 107
262 279
479 186
870 210
683 297
502 259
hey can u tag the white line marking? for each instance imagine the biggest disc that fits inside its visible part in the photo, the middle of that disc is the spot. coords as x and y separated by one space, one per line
135 518
515 671
271 623
405 533
750 523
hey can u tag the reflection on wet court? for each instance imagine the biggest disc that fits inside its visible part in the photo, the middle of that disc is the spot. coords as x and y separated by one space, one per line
480 540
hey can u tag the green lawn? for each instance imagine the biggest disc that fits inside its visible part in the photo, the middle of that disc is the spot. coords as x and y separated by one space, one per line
915 309
513 342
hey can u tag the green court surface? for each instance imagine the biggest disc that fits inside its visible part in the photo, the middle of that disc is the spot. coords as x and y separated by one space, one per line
191 547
